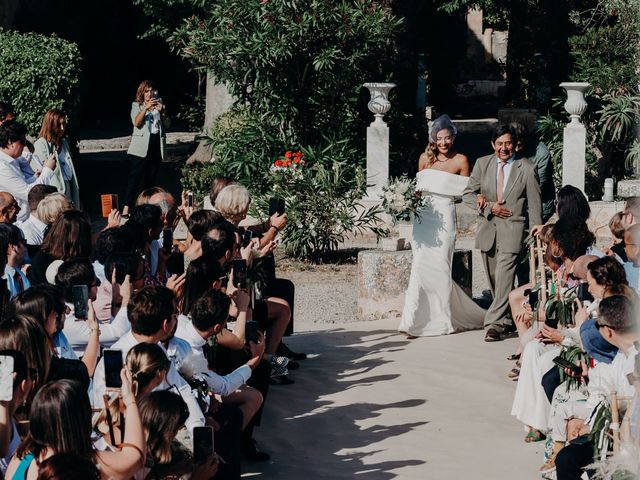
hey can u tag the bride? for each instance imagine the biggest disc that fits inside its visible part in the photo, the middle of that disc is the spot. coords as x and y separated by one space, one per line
434 303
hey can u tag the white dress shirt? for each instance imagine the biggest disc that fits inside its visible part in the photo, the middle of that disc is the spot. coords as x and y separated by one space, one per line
507 171
63 347
605 378
222 385
33 230
173 378
78 332
12 180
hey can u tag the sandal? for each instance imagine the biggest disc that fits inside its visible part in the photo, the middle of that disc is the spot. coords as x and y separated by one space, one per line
514 372
549 466
534 436
515 356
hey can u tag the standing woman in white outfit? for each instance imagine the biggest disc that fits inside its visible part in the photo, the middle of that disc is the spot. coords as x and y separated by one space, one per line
53 141
432 294
147 147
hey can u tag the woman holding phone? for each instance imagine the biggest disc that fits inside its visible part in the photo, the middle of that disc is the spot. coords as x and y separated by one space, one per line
53 142
147 147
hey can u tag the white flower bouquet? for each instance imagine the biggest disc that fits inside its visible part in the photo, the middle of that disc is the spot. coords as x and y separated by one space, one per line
400 200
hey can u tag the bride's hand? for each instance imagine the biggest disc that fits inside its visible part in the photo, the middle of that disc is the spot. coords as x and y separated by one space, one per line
481 201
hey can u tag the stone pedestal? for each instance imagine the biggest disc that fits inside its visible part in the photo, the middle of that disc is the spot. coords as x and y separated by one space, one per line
575 135
573 155
377 159
629 188
383 278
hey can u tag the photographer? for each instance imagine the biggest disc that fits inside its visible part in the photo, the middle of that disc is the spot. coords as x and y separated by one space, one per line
147 148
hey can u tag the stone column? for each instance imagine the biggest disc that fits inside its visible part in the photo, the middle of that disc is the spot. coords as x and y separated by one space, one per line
378 140
575 136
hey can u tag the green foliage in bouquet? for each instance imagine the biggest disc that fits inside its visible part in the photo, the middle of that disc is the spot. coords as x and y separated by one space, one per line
574 355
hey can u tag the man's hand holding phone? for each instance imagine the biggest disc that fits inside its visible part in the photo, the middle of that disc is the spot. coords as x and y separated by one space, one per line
278 220
257 350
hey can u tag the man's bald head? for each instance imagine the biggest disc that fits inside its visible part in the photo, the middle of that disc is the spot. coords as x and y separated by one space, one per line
9 208
580 266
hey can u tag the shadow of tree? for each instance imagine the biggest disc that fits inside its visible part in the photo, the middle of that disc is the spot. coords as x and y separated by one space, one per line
310 434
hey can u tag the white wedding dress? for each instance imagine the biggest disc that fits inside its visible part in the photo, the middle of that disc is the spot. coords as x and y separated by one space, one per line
434 304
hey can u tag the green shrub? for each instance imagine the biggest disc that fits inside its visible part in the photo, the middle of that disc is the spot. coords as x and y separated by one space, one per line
38 73
323 201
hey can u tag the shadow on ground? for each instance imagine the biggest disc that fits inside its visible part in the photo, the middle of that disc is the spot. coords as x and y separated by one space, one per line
313 431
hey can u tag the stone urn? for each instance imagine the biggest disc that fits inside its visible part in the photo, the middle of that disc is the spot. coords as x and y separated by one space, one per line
379 103
575 105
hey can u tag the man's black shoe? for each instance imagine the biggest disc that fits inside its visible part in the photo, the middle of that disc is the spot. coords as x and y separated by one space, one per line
251 452
293 365
285 351
509 329
492 335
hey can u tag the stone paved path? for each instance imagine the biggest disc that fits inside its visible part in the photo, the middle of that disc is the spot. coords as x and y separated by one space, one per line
371 404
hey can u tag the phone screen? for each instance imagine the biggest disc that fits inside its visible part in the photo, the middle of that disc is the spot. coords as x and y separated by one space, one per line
112 367
190 199
246 238
251 331
561 362
167 239
6 378
276 205
80 295
240 273
202 444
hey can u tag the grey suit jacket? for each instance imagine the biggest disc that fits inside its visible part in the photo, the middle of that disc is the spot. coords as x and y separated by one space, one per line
521 194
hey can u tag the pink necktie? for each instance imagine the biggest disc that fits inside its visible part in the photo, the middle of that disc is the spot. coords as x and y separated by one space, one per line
500 192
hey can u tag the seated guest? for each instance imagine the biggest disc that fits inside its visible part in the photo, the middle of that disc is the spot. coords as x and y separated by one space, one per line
616 225
151 313
617 322
200 222
632 249
631 212
17 281
24 161
60 422
9 208
12 143
33 227
69 237
80 331
22 383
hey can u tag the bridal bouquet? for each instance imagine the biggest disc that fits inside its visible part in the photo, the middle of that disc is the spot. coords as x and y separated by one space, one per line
400 200
289 165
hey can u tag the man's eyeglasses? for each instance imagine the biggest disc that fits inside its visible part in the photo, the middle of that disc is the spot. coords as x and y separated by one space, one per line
600 325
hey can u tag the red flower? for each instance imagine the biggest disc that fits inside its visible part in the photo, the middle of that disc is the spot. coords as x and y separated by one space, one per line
287 155
287 163
278 163
297 159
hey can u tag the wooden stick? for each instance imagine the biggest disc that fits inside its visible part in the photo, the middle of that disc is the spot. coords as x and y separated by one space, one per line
532 265
543 272
112 435
615 418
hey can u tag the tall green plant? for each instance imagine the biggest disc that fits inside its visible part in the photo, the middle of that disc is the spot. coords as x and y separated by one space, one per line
38 73
301 61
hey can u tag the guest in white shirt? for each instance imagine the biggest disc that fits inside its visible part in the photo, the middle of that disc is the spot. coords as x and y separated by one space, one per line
12 142
33 227
80 331
153 318
208 317
617 323
17 281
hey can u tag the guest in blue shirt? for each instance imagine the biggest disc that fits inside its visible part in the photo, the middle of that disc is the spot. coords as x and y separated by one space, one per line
632 249
16 252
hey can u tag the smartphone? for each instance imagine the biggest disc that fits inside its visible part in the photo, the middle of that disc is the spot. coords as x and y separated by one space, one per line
190 199
202 444
561 362
583 292
175 264
240 273
533 298
154 94
167 240
80 298
551 322
112 367
276 205
251 332
6 378
246 238
109 201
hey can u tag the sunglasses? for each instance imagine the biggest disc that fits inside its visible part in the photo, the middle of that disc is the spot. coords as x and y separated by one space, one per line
601 325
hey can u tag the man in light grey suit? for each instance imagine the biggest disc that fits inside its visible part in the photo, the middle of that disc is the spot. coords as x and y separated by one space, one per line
503 189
